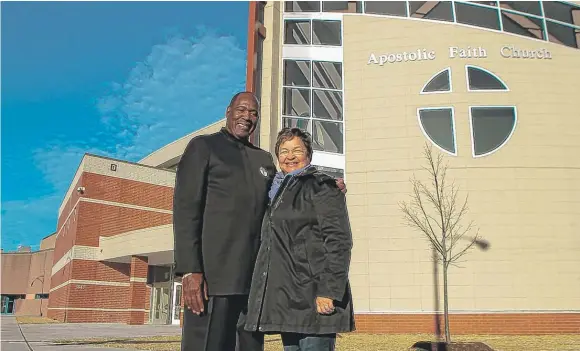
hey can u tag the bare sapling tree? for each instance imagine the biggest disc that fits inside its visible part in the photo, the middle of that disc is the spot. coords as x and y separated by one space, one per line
436 212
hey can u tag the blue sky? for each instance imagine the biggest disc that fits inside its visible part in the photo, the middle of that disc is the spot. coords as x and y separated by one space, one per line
118 79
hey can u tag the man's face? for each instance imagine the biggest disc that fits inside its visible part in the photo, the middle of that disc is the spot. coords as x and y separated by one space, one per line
242 116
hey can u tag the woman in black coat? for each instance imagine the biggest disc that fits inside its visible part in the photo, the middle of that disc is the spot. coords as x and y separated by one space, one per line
300 285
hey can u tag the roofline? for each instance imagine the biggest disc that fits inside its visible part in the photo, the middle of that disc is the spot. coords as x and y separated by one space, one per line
48 236
177 140
26 253
68 189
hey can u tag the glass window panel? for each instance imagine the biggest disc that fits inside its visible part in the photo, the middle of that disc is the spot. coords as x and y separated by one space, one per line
331 171
522 25
492 126
531 7
565 35
440 82
481 80
297 32
332 6
326 33
479 16
297 73
434 10
302 6
296 102
562 12
327 75
391 8
489 3
327 104
342 6
327 136
438 125
301 123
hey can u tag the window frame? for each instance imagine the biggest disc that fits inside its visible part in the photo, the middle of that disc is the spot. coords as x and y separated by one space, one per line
471 131
507 89
310 119
453 126
423 92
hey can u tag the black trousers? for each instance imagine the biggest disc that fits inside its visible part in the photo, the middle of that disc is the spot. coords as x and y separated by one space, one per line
220 328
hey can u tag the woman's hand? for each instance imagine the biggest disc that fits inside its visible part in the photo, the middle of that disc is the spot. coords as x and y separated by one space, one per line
324 305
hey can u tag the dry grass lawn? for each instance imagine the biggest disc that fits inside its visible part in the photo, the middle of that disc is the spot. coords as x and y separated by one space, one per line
35 320
368 342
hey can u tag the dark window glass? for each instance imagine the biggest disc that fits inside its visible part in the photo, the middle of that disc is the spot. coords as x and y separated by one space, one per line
296 102
477 16
392 8
441 82
41 296
332 6
565 35
327 104
326 33
333 172
522 25
327 136
296 123
531 7
302 6
342 6
327 75
562 12
489 3
491 126
297 73
481 80
260 10
438 125
297 32
434 10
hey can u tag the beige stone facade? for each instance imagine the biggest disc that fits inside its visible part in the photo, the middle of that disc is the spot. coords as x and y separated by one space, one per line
523 196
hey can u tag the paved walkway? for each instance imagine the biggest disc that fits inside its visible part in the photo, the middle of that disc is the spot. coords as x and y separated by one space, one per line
40 337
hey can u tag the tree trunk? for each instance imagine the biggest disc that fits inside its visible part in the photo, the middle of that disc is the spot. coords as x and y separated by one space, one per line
446 303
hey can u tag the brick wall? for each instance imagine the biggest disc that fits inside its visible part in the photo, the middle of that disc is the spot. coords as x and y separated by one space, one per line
105 292
490 323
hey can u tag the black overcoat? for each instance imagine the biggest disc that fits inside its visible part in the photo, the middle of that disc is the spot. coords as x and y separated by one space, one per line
304 253
221 194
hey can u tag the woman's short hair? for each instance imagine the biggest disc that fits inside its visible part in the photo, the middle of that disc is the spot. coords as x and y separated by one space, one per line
290 133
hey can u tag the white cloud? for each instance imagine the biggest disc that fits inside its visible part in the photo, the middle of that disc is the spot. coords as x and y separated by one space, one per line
181 86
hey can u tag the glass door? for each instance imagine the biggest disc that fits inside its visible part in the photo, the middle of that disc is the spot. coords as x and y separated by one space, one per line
160 305
176 303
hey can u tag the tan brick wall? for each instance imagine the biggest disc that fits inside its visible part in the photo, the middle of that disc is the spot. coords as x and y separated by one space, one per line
523 197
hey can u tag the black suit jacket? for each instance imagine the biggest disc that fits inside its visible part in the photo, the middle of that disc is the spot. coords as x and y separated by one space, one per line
219 200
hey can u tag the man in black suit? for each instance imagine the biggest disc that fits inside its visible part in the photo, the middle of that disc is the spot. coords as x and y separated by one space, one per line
220 198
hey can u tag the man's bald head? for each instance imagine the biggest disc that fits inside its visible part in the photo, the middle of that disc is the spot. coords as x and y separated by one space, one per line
243 93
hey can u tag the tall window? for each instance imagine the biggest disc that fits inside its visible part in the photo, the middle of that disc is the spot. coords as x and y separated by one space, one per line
312 100
312 32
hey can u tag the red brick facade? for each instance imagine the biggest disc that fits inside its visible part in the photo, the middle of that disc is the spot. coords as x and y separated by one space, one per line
85 290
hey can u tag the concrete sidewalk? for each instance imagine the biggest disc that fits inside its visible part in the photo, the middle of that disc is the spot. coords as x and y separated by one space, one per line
40 337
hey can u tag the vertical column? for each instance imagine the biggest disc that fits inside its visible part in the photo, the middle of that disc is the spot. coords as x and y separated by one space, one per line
137 290
182 304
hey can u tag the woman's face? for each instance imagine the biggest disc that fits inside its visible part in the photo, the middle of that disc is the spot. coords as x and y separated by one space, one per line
292 155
